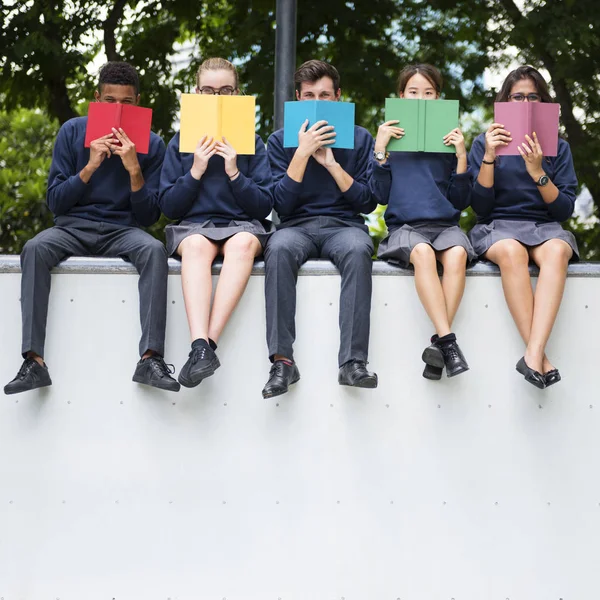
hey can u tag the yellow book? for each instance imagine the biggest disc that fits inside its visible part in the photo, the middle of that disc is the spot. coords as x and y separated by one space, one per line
216 116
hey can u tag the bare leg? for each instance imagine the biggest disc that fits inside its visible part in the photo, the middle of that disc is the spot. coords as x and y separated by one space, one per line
197 255
513 259
552 257
454 261
429 287
239 253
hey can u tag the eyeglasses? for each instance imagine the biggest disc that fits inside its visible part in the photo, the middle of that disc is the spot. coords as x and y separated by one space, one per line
226 90
521 97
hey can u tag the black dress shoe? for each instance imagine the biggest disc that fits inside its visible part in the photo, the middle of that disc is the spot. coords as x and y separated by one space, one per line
355 373
434 360
154 371
202 363
552 377
453 359
31 376
281 376
533 377
433 373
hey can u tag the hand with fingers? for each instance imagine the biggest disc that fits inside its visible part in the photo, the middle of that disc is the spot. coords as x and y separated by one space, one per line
125 149
495 137
205 150
227 152
386 132
324 156
455 138
318 135
99 150
532 154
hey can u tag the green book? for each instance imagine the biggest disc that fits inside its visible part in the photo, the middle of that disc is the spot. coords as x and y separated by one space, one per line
425 123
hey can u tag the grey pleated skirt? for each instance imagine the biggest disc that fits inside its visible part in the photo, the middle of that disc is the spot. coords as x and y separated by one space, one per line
529 233
398 245
176 233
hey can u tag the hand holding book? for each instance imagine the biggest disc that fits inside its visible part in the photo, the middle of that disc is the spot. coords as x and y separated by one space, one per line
386 132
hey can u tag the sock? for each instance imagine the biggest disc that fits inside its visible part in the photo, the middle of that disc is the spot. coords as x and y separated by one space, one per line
447 339
212 344
199 343
434 338
285 361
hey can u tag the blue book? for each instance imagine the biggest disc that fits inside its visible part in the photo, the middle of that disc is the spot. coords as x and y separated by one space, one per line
338 114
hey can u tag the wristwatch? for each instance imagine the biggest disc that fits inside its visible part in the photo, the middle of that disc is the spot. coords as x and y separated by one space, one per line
543 180
380 155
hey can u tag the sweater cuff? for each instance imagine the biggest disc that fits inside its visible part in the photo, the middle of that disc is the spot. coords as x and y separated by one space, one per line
190 182
353 193
290 186
561 209
77 185
239 184
381 172
139 196
484 192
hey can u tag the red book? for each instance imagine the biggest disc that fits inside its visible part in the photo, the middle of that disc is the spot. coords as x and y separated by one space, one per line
135 121
523 118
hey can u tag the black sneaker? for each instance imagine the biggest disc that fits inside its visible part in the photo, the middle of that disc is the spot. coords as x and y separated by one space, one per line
355 374
154 371
453 358
31 376
281 376
202 363
434 360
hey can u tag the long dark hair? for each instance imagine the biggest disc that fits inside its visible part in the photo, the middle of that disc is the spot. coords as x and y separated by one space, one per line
524 72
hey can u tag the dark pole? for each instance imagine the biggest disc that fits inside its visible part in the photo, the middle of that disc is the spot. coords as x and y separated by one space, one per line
285 56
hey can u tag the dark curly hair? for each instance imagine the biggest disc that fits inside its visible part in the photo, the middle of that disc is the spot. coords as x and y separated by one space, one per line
119 73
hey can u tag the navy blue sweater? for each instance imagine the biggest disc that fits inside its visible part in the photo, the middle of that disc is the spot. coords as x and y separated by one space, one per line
214 196
318 193
515 196
107 196
420 187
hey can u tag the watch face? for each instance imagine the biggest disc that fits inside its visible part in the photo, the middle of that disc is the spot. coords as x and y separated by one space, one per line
379 155
543 180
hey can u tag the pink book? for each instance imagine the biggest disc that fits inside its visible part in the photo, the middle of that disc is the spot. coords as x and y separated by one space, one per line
134 120
523 118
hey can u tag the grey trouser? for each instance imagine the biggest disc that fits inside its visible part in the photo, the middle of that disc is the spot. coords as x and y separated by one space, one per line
350 249
80 237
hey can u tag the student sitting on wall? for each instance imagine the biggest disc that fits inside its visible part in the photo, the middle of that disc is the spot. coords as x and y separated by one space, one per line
520 202
319 194
425 193
100 197
219 199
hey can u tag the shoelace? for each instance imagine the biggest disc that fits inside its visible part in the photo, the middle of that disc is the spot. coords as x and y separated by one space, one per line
160 367
197 354
277 369
26 367
451 352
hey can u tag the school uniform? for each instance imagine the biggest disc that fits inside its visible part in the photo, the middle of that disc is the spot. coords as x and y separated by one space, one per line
424 197
99 218
214 206
318 220
514 209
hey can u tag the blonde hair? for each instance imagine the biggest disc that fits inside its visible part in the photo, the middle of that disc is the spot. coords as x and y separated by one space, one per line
217 64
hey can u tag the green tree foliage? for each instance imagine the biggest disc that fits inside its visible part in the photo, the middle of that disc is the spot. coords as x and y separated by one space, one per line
49 45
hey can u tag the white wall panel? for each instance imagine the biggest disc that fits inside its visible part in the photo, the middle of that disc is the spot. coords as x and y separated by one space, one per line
479 487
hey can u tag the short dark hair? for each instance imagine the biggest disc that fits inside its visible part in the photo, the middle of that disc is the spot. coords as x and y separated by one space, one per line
524 72
119 73
313 70
428 71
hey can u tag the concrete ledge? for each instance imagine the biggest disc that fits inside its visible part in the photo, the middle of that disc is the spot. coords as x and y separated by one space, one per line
84 264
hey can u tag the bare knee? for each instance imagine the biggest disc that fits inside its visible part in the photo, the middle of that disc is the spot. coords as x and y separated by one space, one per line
423 255
554 252
197 247
242 246
508 254
454 259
